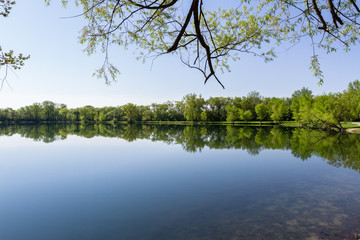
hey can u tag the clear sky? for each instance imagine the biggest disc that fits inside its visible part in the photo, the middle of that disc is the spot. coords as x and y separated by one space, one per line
59 71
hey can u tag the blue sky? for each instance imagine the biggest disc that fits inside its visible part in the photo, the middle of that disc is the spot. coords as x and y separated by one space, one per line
60 71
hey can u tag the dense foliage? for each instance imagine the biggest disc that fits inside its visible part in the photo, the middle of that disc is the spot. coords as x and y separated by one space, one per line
325 111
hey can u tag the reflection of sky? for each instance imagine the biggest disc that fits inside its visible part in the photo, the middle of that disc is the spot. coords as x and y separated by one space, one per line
110 189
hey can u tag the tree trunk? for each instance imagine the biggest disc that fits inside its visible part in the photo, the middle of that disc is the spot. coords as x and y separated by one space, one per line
341 127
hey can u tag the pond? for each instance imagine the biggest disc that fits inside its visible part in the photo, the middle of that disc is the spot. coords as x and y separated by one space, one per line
177 182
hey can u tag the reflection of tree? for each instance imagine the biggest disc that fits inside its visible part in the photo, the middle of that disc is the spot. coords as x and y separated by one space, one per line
216 137
44 133
131 132
304 141
243 138
340 150
279 138
191 139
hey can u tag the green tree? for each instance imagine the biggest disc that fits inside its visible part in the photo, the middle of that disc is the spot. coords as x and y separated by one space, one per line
102 116
146 116
232 113
87 114
237 101
160 111
141 109
246 115
261 111
203 116
302 92
115 114
305 113
32 112
73 115
217 111
331 109
296 103
50 112
278 109
63 112
193 106
176 112
352 97
131 112
249 102
295 109
7 115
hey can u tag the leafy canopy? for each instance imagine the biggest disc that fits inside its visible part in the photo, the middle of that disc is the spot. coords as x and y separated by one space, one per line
207 39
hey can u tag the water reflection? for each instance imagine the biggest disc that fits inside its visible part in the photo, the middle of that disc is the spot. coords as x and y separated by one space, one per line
154 191
337 149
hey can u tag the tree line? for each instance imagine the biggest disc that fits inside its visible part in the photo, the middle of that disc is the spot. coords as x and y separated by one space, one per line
326 111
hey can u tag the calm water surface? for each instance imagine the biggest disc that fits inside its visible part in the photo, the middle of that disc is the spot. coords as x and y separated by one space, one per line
180 183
